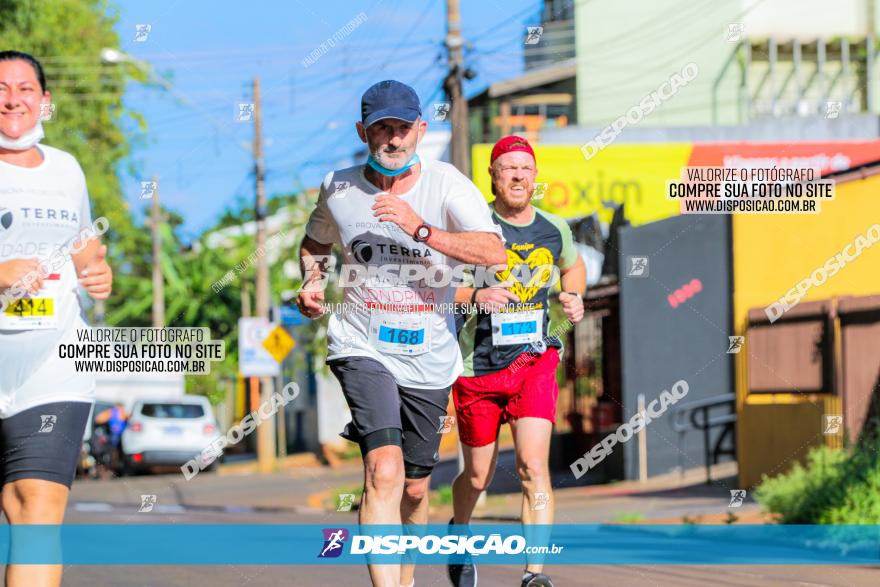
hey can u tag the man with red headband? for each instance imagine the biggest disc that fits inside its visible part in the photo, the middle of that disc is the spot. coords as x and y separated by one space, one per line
510 353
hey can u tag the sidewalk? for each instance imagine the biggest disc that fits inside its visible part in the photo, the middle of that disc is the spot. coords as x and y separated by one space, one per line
309 488
233 488
666 499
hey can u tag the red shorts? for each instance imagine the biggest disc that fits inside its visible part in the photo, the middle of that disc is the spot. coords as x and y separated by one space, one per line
484 403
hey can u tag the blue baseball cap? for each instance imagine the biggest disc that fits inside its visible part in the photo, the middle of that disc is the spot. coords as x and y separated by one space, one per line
390 99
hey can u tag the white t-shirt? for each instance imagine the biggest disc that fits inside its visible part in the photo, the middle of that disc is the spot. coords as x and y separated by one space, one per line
41 209
443 198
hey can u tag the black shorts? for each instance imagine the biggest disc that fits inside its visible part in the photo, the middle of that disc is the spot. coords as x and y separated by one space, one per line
43 442
385 413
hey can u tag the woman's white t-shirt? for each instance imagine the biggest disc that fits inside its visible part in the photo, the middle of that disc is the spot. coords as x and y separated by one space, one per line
43 209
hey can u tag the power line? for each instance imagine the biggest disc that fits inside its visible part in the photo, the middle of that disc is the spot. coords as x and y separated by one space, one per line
275 98
380 67
224 64
322 129
207 56
531 10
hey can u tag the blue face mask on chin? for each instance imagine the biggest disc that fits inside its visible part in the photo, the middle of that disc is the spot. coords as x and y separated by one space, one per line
392 172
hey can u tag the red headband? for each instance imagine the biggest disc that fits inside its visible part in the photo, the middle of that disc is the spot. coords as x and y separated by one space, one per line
510 144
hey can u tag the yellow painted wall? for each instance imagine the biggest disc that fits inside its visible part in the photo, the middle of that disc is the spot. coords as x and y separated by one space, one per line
632 174
772 253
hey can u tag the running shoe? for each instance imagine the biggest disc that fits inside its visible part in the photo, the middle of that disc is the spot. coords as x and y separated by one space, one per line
536 580
462 575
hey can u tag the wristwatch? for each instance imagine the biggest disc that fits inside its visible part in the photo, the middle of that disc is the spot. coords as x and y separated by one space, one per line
422 233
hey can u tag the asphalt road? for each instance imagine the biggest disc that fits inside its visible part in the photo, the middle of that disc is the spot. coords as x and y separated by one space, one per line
255 500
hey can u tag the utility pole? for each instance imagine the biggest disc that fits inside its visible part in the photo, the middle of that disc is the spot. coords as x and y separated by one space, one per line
262 270
459 111
870 98
245 299
158 282
454 90
266 431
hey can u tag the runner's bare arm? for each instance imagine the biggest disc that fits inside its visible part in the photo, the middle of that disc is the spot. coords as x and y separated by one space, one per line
575 277
95 274
574 280
311 257
13 273
488 298
82 258
476 248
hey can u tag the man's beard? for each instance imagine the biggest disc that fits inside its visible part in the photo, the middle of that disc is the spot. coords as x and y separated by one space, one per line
516 205
381 155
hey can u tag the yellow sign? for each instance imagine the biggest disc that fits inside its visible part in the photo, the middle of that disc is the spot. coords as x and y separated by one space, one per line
634 175
278 343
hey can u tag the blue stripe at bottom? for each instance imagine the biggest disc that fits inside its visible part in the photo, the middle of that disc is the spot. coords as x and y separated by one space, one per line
582 544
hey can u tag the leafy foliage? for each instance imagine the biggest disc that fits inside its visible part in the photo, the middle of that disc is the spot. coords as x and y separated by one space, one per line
834 487
90 121
236 258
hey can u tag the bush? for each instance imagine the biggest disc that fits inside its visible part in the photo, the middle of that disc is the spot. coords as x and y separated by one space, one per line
835 487
442 496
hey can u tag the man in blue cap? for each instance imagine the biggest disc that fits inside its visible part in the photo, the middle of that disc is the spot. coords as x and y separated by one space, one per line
395 351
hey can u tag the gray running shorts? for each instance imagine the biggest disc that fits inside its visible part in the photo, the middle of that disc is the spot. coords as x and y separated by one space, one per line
385 413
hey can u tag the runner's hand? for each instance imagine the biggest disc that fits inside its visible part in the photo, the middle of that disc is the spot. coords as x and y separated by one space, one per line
309 303
97 276
492 299
390 208
573 306
11 272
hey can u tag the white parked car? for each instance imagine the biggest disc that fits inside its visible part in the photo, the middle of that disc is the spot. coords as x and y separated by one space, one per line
167 431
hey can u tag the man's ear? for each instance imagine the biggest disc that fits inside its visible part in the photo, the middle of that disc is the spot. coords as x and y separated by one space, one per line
362 132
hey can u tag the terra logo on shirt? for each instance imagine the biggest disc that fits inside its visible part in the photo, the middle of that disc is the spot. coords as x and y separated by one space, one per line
46 216
5 218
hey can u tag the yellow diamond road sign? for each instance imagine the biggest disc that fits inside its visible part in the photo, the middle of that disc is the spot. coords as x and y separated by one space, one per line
278 343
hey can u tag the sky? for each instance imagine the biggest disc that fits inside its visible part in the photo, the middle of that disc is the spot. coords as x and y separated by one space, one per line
210 53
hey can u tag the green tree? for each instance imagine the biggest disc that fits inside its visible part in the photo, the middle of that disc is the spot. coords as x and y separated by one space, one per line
90 121
204 281
239 248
